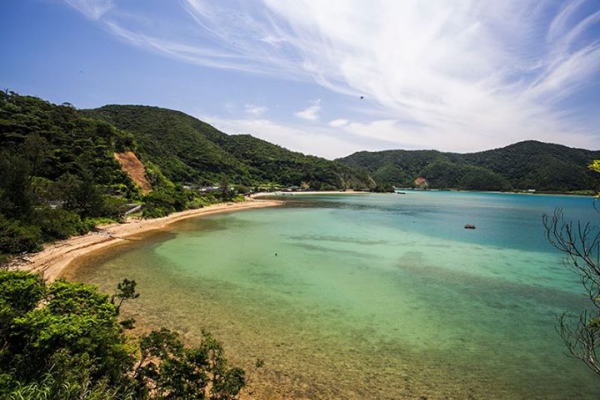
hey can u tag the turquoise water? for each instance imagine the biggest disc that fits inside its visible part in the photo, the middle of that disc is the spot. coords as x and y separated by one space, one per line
371 296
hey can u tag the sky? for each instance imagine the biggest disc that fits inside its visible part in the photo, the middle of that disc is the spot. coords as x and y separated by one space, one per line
326 78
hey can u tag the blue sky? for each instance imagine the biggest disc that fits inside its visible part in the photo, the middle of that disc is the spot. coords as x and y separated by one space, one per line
324 77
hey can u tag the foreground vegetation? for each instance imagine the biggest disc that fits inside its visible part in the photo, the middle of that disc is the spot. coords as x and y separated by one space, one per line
580 244
65 341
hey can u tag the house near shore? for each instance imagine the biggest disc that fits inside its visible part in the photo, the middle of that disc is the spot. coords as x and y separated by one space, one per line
421 183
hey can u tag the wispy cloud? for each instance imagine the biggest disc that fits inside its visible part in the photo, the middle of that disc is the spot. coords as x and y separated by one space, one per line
472 73
317 141
93 9
255 111
310 113
336 123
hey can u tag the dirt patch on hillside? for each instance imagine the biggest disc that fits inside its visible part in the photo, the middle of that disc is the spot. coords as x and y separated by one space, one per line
135 169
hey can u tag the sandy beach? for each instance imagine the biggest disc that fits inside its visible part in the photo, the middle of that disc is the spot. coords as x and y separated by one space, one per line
52 261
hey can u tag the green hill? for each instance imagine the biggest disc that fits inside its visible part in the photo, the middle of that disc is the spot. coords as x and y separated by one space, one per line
521 166
188 150
59 174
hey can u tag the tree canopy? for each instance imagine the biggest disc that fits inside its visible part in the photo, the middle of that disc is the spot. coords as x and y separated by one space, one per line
190 151
64 341
521 166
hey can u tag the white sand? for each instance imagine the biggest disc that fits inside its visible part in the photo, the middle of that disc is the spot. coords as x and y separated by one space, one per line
56 257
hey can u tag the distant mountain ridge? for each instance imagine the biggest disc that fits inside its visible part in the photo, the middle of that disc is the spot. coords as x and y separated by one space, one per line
188 150
521 166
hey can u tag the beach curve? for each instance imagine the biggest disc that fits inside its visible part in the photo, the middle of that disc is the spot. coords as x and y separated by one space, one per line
56 257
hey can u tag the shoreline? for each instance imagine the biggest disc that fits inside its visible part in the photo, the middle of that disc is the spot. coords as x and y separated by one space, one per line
281 193
55 258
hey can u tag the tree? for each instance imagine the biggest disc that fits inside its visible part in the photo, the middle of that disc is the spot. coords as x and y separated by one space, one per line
67 330
198 373
126 292
15 186
580 243
64 341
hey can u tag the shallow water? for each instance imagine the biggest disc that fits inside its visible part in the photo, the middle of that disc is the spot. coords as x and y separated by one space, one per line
371 296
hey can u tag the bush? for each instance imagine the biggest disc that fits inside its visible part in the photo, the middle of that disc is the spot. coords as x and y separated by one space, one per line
114 207
64 341
163 202
57 224
18 238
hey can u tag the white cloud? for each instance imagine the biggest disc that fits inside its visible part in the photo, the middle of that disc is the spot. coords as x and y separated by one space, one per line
310 113
461 73
255 111
93 9
317 141
336 123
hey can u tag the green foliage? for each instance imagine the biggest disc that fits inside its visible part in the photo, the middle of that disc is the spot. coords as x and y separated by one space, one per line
241 189
163 202
114 207
521 166
156 177
58 223
15 186
15 237
52 155
56 139
82 195
126 292
190 151
201 372
179 144
74 336
64 340
396 167
21 292
446 174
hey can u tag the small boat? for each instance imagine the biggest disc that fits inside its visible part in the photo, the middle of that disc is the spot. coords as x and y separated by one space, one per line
469 226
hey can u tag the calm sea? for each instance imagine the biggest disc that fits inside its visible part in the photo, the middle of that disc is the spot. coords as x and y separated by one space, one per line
371 296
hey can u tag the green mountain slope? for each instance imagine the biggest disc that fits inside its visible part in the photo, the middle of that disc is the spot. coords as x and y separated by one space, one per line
521 166
177 143
56 141
58 174
188 150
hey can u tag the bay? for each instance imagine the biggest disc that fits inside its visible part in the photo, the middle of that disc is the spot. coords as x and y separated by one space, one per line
371 296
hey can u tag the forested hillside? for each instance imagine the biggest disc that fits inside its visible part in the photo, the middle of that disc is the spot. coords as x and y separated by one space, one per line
521 166
190 151
57 172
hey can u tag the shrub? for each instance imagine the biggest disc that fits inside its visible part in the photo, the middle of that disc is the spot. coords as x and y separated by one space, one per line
64 341
16 237
59 223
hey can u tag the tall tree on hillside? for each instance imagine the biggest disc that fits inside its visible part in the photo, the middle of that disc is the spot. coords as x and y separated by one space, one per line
15 186
581 245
